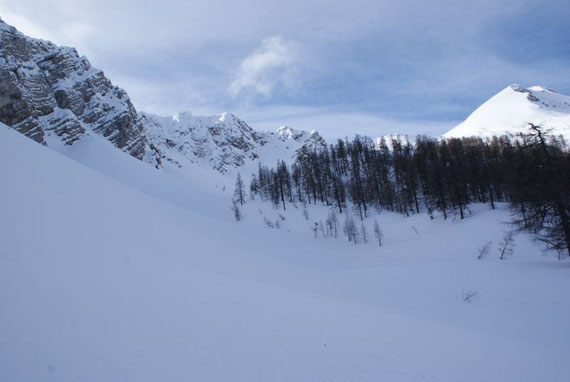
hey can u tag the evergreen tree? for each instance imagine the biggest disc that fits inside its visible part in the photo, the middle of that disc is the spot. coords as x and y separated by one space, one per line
239 192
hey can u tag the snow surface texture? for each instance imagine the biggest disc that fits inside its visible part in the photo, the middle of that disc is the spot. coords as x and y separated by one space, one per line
510 112
112 271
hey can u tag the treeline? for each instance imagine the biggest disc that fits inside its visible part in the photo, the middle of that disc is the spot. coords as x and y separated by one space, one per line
531 172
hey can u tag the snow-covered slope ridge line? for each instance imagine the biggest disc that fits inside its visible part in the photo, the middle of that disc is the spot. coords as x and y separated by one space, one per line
510 111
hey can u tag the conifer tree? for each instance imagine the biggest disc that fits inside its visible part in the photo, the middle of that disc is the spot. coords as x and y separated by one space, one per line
239 192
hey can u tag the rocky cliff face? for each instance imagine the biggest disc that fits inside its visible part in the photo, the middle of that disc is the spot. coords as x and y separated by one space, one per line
54 96
46 91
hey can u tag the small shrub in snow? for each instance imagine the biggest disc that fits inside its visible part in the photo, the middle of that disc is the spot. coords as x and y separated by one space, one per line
483 250
315 229
506 245
469 295
268 222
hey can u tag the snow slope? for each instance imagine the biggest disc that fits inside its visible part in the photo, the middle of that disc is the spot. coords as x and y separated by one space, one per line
107 276
510 111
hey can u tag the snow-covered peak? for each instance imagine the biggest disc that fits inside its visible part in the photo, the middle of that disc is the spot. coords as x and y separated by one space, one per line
223 142
227 117
538 88
511 110
286 132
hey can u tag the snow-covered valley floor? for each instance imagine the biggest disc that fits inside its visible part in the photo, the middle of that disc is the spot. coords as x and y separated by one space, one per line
112 271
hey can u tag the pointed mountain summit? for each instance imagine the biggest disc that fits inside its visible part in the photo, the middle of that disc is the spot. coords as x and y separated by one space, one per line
510 111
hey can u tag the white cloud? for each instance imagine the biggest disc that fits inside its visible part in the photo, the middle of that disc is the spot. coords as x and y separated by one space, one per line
269 66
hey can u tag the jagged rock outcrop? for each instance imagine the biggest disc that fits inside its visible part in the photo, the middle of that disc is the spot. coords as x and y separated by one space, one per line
222 142
48 90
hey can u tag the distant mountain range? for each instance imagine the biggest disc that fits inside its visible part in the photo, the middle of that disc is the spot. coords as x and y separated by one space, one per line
222 142
54 96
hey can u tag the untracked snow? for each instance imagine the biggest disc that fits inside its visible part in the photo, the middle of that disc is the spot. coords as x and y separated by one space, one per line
510 111
123 273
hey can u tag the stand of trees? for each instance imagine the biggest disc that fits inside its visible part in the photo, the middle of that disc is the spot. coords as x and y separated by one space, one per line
531 172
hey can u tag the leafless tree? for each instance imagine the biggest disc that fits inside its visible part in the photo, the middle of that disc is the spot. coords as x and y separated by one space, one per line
236 211
378 232
332 222
483 250
506 245
350 229
322 229
364 233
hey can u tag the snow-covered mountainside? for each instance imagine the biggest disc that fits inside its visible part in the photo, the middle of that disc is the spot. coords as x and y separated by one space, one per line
55 97
49 92
222 142
511 110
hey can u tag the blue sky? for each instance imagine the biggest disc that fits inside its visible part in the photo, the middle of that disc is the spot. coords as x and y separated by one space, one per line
342 67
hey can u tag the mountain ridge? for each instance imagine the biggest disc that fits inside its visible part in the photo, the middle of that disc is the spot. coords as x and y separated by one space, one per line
54 96
50 90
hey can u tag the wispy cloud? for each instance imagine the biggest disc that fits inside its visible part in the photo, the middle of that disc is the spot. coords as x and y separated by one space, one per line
271 65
